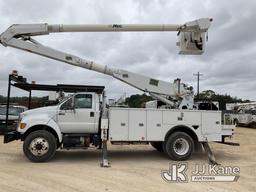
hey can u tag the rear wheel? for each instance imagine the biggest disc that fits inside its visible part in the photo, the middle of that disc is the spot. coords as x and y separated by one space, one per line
179 146
40 146
158 145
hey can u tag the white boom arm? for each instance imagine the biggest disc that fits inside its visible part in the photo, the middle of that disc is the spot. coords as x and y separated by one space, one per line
192 40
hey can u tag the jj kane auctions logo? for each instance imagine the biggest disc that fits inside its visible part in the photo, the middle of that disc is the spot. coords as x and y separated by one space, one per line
201 173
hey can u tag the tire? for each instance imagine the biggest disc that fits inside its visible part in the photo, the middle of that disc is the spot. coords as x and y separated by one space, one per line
39 146
179 146
158 145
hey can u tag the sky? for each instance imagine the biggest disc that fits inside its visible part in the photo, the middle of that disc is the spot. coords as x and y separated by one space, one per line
228 64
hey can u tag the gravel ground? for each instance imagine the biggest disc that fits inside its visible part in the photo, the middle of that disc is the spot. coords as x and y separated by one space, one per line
133 168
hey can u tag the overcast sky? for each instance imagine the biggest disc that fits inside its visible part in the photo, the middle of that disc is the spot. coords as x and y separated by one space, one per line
228 65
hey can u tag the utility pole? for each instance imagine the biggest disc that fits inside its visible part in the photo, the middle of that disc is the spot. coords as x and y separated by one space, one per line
198 79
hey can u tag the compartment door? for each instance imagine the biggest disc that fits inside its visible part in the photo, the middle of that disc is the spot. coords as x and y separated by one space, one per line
154 126
118 129
211 126
137 125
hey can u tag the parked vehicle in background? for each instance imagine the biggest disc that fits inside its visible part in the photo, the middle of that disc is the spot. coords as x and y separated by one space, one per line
13 117
245 117
207 105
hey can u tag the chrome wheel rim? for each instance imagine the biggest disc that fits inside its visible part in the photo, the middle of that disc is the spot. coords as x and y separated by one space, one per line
39 146
181 146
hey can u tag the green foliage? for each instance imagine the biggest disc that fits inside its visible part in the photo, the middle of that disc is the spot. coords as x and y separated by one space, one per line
3 99
137 101
209 95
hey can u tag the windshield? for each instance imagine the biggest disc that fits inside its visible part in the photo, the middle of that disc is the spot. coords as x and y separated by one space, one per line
12 110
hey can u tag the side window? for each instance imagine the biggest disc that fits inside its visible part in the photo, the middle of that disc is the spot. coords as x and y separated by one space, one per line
83 101
67 105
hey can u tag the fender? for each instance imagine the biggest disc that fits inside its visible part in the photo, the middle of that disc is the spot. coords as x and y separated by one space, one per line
40 119
195 134
56 128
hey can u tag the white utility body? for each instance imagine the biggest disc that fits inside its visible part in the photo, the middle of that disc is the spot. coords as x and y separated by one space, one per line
130 124
174 126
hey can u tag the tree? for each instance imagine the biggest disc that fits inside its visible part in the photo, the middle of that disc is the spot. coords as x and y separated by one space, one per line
3 99
137 101
209 95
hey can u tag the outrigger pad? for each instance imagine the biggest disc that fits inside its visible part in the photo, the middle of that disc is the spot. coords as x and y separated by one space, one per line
104 162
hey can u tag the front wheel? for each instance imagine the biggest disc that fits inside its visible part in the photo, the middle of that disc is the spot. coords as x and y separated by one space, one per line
40 146
179 146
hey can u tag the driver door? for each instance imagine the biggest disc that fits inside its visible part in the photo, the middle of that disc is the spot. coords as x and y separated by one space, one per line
77 115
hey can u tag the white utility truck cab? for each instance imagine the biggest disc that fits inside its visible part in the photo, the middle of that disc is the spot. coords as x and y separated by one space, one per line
73 123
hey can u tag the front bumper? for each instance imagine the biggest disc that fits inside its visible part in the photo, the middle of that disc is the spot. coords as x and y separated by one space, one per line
11 126
11 136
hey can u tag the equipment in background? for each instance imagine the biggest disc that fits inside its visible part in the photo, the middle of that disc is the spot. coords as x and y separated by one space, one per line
9 122
207 105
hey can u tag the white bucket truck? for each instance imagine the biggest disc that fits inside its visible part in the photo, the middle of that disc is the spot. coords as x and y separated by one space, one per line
173 126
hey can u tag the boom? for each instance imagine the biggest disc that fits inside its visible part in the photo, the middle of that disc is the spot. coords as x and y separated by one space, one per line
192 41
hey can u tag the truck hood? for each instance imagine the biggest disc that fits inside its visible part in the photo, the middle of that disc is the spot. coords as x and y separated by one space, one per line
51 111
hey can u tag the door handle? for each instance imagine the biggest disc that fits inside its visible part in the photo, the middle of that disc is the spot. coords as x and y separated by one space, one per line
91 114
61 113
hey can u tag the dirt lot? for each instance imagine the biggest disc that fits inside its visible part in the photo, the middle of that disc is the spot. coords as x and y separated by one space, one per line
134 168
